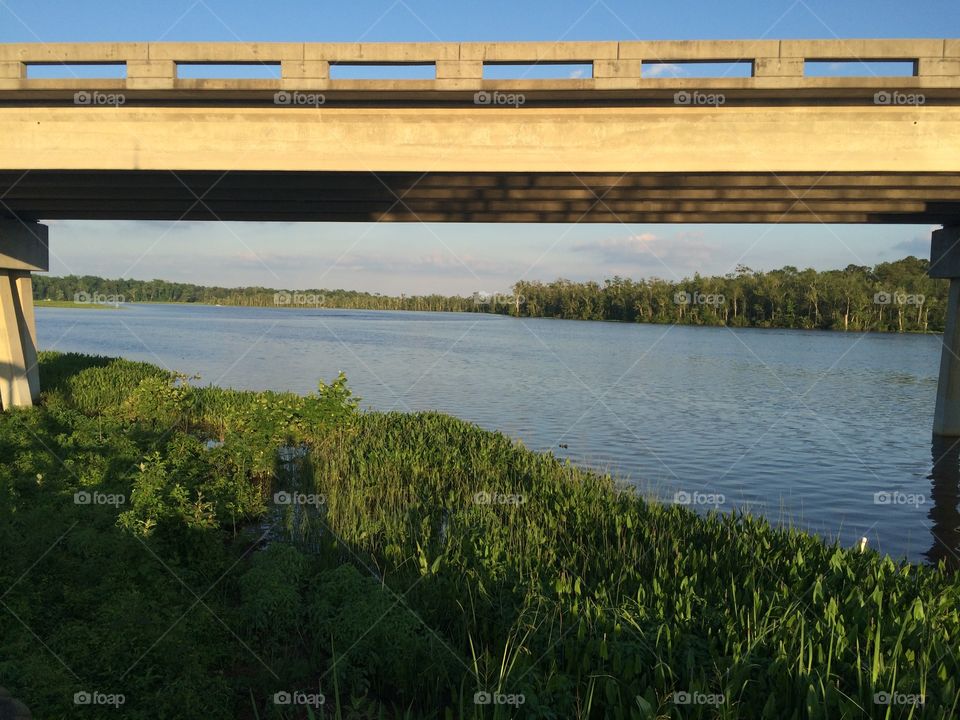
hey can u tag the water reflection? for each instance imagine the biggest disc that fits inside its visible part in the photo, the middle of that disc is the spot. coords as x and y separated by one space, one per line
945 493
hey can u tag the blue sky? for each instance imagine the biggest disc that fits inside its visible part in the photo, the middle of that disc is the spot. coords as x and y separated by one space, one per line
461 258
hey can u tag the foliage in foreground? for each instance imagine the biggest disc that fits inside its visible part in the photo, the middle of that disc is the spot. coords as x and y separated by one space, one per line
419 562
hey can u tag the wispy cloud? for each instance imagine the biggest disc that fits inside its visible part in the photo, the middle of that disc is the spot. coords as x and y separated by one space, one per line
439 263
620 247
680 254
654 70
918 246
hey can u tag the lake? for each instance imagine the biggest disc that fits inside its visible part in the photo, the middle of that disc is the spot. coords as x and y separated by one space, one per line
829 432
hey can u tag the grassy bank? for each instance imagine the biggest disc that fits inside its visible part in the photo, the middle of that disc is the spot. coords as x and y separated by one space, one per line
157 546
77 305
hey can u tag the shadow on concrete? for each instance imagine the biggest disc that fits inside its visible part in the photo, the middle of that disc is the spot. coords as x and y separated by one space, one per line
945 493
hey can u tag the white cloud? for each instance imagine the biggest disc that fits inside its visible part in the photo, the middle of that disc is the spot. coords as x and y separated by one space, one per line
646 253
919 246
644 243
654 70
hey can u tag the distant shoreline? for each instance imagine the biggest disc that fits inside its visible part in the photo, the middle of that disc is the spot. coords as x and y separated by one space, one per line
897 296
60 304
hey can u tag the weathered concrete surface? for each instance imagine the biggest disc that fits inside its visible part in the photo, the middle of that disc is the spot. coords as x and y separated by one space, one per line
777 66
945 253
945 263
777 121
727 142
23 247
650 50
366 196
483 139
19 373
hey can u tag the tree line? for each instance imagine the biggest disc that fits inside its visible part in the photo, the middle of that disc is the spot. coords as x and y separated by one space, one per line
891 297
90 288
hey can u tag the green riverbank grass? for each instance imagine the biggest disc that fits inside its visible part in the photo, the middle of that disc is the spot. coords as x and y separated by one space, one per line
158 546
76 305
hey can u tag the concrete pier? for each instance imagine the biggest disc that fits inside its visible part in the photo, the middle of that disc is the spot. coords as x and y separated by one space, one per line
23 249
945 263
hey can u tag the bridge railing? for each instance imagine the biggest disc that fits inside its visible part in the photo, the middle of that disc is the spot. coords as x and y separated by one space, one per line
460 66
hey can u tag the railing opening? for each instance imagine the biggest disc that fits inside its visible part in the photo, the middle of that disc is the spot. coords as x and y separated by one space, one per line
736 69
537 71
76 71
229 71
383 71
858 68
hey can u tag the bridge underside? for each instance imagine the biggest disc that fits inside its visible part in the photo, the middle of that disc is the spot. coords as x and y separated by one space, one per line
541 197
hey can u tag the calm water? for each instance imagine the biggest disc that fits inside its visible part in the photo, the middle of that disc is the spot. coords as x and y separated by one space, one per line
804 427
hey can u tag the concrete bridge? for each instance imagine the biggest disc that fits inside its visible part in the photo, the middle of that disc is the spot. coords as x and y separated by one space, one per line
617 143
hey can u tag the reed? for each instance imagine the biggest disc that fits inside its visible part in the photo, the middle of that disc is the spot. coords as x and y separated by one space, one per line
430 569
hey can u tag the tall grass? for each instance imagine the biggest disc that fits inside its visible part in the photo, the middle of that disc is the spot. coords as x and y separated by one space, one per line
439 565
585 594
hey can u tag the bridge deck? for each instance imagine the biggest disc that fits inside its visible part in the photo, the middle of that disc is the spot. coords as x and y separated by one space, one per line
624 71
621 143
484 197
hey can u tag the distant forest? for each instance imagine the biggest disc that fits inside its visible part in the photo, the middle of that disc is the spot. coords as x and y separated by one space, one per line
892 297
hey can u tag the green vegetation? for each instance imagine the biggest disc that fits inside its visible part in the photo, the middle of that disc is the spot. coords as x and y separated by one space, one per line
890 297
67 288
418 562
71 304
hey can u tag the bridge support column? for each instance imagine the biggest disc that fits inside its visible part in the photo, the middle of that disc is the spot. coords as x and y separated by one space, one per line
945 263
23 249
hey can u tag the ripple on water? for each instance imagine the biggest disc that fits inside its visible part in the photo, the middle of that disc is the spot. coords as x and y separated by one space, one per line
804 426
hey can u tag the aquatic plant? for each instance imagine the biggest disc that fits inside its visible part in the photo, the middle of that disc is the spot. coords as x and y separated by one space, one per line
214 553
